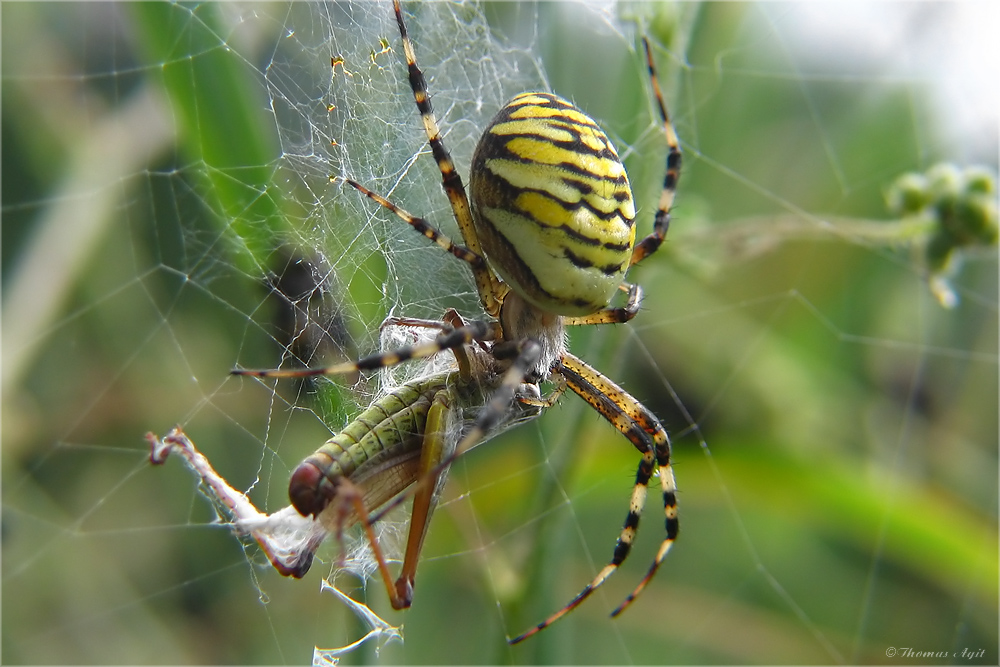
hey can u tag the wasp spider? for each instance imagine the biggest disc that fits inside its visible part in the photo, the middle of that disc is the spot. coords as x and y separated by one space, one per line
549 234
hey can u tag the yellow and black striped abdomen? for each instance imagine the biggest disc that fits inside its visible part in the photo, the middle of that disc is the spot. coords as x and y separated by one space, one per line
552 205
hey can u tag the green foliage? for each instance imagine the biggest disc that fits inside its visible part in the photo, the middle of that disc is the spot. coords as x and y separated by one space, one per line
960 204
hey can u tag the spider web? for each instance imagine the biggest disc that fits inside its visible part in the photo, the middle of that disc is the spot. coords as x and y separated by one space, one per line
169 214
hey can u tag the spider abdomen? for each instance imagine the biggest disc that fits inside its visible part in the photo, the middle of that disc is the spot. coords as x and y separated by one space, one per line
552 205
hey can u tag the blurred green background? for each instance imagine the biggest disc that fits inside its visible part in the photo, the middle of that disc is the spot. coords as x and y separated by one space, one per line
835 428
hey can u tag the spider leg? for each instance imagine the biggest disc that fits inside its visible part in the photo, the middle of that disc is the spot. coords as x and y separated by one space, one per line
475 260
612 315
644 431
445 324
448 323
490 290
448 340
661 222
626 413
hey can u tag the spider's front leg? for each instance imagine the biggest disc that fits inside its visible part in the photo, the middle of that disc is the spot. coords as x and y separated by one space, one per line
447 340
640 426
